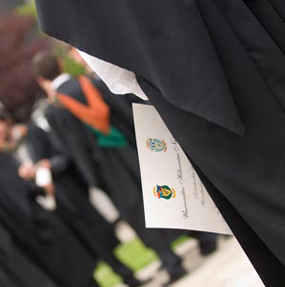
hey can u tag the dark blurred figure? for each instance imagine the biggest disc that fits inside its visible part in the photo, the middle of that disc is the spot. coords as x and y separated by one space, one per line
41 236
15 268
107 157
207 241
72 201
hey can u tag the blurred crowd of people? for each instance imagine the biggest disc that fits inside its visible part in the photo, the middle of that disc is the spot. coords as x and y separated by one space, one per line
68 176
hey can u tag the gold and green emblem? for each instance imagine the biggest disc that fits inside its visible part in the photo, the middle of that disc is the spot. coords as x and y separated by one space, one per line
156 145
164 191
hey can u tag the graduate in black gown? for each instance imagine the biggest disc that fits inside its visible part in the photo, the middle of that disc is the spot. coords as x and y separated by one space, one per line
72 200
41 236
215 72
108 162
123 119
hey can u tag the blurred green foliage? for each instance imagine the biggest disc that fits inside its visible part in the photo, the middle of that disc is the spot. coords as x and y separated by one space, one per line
73 68
27 9
69 65
133 254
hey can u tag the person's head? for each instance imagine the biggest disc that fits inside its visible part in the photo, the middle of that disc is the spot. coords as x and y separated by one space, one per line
5 130
46 67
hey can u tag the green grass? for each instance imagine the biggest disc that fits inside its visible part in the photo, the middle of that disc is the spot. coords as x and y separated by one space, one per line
180 240
134 255
106 276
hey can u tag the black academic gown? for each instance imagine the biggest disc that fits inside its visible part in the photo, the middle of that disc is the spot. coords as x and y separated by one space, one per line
114 170
72 199
41 235
16 269
215 72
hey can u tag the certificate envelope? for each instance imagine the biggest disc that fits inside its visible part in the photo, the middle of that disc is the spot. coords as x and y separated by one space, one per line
174 196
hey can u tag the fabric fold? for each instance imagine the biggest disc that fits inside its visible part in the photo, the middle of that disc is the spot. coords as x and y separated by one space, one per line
195 84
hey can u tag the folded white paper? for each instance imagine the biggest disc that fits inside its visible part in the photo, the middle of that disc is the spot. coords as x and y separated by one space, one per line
174 196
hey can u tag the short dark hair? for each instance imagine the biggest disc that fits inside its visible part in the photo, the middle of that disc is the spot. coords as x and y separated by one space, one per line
46 65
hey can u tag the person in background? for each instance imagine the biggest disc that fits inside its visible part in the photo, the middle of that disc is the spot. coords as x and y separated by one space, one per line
6 139
71 197
16 269
89 125
207 241
41 236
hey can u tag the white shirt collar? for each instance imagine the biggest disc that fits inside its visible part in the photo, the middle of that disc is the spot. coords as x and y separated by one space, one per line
60 80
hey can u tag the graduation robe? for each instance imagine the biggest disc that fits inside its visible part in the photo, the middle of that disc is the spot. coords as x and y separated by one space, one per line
40 234
114 170
215 72
72 199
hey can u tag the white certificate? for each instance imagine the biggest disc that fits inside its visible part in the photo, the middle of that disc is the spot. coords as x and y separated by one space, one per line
174 196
